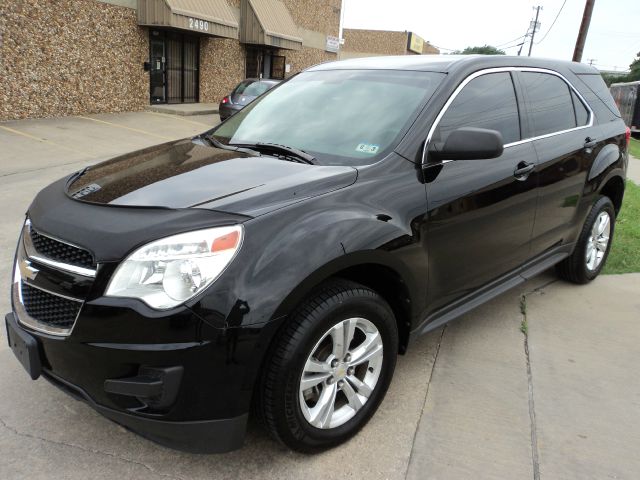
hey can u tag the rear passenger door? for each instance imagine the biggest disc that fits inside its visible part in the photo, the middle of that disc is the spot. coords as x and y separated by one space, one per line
559 126
480 212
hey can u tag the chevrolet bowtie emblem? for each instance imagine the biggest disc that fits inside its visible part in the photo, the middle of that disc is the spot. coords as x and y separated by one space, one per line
26 270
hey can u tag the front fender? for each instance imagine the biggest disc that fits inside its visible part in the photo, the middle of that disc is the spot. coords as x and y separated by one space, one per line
299 255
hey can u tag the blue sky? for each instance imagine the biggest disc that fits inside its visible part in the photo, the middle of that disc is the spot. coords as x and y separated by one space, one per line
614 35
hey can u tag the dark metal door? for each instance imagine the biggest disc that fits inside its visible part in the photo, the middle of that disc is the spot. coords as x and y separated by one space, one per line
157 79
182 68
277 66
252 65
190 66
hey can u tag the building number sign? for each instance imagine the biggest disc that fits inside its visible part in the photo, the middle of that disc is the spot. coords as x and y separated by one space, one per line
195 24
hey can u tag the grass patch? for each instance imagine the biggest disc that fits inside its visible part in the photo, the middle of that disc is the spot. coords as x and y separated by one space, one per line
524 325
625 251
634 148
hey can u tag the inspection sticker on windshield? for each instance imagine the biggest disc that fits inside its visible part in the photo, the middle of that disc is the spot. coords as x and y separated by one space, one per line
367 148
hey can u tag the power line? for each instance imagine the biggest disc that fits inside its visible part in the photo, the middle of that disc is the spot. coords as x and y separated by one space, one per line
515 45
511 41
553 23
442 48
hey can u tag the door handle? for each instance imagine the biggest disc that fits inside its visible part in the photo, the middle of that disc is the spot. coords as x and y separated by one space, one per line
523 170
590 142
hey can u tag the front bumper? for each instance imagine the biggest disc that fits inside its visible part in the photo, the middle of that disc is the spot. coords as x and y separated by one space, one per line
84 370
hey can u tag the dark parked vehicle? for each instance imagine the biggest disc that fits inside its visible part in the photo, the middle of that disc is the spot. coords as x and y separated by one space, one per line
245 92
284 258
627 98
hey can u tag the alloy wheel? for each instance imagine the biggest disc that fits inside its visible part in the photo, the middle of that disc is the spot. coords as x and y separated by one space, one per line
598 241
341 373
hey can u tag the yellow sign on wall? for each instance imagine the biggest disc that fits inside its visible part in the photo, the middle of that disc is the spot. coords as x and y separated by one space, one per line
416 43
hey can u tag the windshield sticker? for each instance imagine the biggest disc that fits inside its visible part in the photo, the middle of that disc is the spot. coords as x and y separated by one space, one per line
367 148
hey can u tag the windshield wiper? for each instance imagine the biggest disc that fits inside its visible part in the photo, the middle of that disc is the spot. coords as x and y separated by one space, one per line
218 144
280 151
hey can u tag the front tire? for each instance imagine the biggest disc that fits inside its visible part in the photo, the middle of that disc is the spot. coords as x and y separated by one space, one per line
330 367
593 246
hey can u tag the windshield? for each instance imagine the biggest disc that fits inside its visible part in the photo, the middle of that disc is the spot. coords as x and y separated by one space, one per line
341 117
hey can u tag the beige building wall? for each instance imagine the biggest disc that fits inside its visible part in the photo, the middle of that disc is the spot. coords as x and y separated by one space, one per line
374 42
70 57
369 43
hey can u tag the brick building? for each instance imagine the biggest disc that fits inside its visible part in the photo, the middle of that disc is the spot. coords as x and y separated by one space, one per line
69 57
367 43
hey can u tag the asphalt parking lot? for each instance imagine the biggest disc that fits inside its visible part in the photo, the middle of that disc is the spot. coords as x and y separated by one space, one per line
540 387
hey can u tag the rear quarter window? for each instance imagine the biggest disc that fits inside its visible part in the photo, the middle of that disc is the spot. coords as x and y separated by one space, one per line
549 102
596 85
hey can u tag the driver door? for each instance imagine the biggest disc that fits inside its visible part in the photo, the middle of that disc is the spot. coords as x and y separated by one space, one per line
480 212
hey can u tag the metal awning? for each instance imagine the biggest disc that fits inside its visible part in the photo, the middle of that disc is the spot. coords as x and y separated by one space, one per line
268 22
212 17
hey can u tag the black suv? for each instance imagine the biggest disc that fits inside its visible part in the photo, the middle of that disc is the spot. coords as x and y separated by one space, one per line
284 258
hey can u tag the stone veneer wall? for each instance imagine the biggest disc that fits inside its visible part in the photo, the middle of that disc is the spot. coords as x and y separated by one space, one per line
305 58
319 16
70 57
74 57
222 67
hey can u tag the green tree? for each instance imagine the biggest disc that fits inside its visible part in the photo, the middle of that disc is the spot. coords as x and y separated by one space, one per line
632 76
484 50
610 78
634 69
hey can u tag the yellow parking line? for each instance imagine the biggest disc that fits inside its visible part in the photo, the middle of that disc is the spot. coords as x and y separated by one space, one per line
44 140
127 128
177 117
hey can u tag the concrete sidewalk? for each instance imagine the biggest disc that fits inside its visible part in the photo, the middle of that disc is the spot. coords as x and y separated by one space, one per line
476 399
633 172
48 142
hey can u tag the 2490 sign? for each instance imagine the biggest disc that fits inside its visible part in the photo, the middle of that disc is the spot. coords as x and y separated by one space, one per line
280 262
195 24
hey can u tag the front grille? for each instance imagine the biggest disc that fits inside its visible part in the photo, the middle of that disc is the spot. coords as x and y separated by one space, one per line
60 251
49 309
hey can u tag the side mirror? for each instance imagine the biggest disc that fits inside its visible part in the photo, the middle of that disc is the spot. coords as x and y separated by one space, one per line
470 143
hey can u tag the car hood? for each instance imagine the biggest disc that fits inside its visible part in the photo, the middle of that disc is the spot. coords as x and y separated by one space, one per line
191 174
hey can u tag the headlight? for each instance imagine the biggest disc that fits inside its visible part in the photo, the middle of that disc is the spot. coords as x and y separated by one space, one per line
170 271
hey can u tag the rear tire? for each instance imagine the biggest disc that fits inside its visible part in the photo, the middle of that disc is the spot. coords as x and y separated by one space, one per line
593 246
313 393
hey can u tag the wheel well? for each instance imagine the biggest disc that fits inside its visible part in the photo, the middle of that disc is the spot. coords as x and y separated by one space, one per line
390 286
614 189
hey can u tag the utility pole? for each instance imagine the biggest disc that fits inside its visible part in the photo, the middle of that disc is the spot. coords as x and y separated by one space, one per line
584 29
591 60
535 28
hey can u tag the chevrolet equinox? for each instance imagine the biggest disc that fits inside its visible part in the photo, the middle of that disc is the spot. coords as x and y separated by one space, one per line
279 262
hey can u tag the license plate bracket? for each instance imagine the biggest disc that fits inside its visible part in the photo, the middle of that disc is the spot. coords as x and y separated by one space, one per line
24 347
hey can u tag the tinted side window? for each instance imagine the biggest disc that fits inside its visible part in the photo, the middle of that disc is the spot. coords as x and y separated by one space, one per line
596 84
488 101
550 104
582 114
